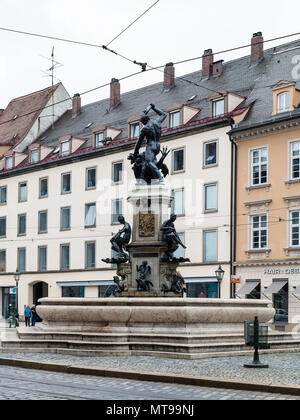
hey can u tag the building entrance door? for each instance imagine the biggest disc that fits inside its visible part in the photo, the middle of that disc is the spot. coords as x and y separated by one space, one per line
40 290
8 301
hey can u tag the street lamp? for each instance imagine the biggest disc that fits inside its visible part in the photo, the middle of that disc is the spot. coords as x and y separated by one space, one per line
219 275
17 278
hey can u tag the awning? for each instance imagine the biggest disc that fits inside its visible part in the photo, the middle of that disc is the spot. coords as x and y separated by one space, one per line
201 280
297 291
275 287
248 287
84 283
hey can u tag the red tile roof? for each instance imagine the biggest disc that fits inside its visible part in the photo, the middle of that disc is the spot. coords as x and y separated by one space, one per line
12 131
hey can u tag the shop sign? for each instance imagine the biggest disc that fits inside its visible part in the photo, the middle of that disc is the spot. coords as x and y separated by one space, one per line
281 271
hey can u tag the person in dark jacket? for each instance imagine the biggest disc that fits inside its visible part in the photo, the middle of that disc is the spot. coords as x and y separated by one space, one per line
27 314
34 316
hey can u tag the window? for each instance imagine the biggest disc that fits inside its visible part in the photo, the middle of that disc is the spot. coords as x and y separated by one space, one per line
295 160
42 258
218 108
90 254
2 227
90 215
9 162
134 130
117 210
3 195
210 246
179 253
21 224
2 261
43 187
21 259
65 257
210 154
117 174
99 139
259 166
43 221
211 193
65 148
175 119
178 160
178 203
22 192
283 102
295 229
34 156
90 178
66 183
74 291
65 218
259 235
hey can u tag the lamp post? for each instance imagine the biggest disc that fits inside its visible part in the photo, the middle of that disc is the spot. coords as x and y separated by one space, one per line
17 278
219 275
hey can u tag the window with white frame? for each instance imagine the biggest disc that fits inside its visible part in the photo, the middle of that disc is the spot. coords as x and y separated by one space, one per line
2 260
259 231
3 227
117 210
295 160
90 178
210 153
66 183
99 139
21 258
65 218
210 245
218 107
175 119
134 130
65 148
295 228
117 172
178 160
3 195
210 196
65 256
90 254
34 156
178 203
259 166
283 102
21 224
22 192
43 187
43 221
90 215
42 258
9 162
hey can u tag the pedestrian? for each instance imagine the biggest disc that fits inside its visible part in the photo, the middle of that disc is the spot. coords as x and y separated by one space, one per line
27 314
33 316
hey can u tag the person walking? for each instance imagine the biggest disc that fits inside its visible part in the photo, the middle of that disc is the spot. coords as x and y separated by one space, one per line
27 314
33 316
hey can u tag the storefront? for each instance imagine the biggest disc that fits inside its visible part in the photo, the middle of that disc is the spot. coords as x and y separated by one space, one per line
205 288
280 284
8 301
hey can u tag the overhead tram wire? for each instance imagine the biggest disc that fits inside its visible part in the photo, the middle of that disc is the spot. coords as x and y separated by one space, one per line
122 56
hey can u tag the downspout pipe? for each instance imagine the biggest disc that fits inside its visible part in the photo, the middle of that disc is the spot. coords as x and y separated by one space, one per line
232 207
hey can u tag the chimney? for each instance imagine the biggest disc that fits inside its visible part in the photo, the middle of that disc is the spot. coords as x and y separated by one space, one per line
207 63
76 105
169 77
115 93
257 48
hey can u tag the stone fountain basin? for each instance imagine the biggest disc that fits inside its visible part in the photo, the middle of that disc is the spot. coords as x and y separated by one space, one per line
153 315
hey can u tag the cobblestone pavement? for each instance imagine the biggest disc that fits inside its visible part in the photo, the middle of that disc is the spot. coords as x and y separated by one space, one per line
25 384
284 367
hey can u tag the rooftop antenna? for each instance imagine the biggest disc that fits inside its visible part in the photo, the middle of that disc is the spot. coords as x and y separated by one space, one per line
50 73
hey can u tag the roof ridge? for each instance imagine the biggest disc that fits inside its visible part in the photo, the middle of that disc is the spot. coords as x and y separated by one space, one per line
36 93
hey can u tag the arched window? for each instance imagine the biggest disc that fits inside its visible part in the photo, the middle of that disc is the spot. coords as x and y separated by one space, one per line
283 103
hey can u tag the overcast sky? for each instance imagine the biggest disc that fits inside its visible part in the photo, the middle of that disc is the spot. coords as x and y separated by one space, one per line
173 30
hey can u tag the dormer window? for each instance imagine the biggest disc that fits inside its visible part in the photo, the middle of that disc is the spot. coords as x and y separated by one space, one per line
175 119
99 139
134 130
283 102
65 148
34 156
218 107
9 162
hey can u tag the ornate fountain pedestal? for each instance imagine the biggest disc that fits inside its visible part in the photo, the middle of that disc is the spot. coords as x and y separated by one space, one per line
147 251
